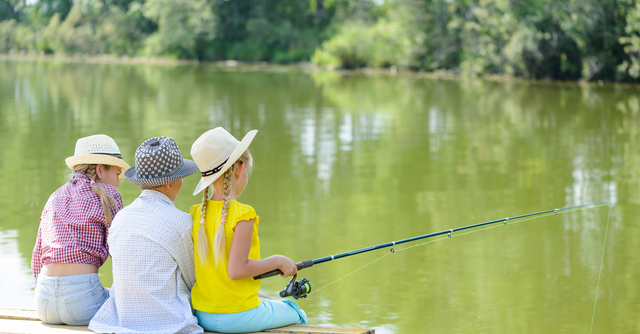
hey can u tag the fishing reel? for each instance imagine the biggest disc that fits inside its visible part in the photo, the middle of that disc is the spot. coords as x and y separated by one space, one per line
296 289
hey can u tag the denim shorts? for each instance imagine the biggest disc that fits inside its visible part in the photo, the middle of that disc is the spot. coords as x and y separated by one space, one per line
71 300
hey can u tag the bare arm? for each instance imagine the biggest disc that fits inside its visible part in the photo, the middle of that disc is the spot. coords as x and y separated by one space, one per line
239 264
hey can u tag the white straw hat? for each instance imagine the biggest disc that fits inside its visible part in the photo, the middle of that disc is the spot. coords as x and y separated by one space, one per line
158 162
215 151
97 149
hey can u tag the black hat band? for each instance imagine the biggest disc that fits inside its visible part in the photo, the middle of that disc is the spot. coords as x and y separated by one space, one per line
215 170
117 155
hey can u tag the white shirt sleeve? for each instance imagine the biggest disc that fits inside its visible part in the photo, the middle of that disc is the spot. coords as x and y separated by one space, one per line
185 258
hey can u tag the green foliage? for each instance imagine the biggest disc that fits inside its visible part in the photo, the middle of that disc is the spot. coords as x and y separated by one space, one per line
71 35
554 39
7 35
7 10
26 38
123 32
88 28
184 26
499 38
383 44
43 10
270 30
632 43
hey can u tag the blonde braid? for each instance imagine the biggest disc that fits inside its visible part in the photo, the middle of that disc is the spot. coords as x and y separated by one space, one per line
203 242
219 240
107 201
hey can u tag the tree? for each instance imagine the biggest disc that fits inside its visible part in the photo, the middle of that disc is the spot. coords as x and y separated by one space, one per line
184 27
7 10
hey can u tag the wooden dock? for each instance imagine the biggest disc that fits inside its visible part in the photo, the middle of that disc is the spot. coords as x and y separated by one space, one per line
20 321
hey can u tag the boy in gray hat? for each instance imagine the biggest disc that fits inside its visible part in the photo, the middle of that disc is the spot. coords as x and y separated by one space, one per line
152 249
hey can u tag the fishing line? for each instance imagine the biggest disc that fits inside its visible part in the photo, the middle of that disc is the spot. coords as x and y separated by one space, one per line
349 274
506 222
309 263
604 243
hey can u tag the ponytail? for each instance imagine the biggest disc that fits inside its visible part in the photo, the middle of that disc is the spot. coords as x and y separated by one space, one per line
203 242
107 201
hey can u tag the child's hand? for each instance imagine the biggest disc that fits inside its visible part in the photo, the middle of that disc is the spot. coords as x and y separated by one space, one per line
287 266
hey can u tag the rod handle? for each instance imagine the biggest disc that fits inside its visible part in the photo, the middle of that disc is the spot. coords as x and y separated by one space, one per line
299 265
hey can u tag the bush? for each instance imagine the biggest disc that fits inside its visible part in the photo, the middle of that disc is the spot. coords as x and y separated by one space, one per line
248 51
380 45
291 56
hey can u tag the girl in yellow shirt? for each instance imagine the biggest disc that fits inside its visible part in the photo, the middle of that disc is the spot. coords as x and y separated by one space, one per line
225 296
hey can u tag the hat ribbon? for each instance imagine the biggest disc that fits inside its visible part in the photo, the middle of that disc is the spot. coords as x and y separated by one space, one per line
117 155
215 170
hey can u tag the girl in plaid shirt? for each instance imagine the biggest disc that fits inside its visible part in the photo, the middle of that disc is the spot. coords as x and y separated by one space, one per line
72 238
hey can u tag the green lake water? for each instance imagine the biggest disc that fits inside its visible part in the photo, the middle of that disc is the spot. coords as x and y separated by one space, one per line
349 161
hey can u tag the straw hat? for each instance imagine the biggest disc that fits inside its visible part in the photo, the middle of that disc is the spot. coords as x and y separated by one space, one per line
216 151
158 162
97 149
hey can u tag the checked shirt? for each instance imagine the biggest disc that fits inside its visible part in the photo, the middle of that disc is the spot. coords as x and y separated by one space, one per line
153 270
73 226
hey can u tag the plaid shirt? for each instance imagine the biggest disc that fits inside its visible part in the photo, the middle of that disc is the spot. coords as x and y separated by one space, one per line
73 226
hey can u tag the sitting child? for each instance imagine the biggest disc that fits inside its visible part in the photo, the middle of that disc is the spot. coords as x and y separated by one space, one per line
72 238
225 296
152 250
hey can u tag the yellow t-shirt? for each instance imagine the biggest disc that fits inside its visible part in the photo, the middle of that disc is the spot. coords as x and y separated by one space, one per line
214 291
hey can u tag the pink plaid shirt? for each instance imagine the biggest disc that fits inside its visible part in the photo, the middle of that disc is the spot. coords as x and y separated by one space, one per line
73 226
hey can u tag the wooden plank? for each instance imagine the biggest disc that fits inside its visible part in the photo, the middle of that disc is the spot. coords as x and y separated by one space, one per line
18 314
21 321
311 329
27 326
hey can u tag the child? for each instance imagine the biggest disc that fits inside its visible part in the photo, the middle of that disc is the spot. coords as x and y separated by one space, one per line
225 296
152 250
72 238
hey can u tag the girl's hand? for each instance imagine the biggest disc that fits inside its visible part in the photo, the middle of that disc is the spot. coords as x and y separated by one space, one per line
287 266
240 266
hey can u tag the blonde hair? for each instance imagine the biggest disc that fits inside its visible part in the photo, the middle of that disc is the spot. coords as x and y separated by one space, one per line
107 201
219 244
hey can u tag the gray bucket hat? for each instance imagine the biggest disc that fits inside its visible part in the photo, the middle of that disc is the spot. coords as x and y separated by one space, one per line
158 162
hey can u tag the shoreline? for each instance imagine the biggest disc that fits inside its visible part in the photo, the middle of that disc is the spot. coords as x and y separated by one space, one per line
306 67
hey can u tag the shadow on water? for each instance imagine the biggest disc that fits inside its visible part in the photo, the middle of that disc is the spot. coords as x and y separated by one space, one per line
345 162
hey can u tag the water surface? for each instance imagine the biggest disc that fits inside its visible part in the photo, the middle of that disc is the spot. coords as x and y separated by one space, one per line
346 162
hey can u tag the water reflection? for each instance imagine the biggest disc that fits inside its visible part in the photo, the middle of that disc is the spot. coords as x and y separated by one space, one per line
16 276
344 162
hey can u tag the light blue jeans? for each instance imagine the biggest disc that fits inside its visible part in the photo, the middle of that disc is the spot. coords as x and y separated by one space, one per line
269 314
71 300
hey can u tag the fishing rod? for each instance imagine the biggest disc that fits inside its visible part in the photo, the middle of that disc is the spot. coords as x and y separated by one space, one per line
299 289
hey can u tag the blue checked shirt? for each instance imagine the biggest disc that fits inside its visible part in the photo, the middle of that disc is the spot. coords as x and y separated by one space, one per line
153 272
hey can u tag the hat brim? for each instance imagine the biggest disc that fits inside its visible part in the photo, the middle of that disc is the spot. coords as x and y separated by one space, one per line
188 167
94 159
244 144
